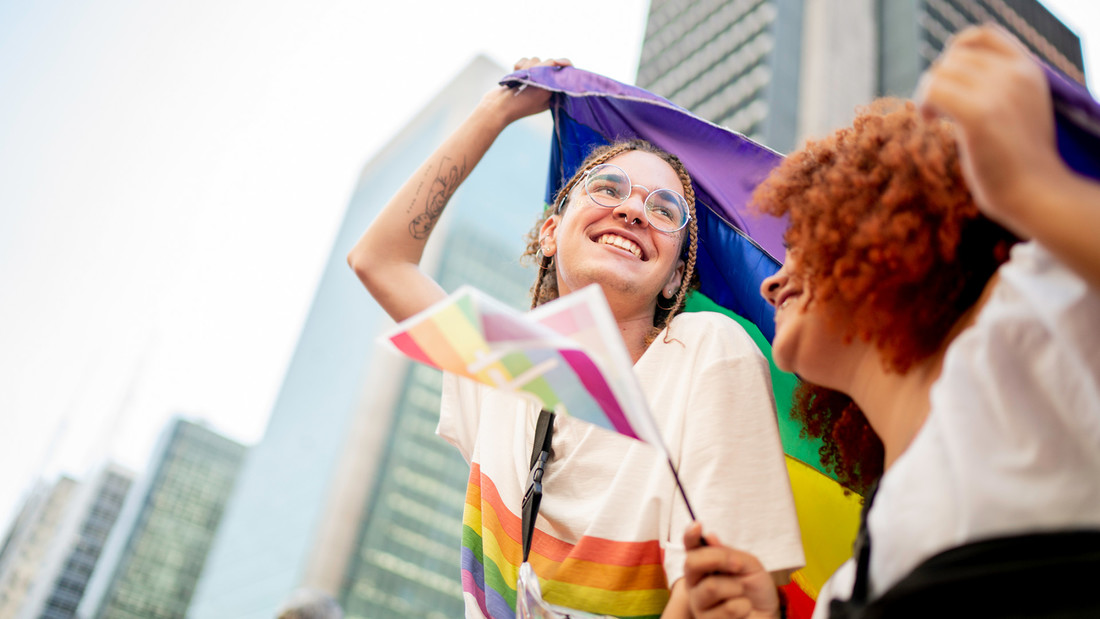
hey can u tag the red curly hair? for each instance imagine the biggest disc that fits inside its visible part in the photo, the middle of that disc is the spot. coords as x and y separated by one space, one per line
891 246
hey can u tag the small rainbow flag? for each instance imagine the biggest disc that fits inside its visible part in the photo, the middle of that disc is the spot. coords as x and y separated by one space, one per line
566 355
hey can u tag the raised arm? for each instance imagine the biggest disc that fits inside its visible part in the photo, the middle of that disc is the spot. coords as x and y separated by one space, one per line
993 89
387 257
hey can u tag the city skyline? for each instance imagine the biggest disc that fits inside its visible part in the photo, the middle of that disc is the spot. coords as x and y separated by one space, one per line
172 180
150 271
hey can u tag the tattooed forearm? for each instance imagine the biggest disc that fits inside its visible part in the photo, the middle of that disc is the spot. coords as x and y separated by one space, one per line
447 180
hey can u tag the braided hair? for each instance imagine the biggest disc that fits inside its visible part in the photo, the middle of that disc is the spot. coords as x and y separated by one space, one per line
545 287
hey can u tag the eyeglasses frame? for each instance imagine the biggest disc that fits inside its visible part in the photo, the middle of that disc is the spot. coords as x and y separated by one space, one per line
584 180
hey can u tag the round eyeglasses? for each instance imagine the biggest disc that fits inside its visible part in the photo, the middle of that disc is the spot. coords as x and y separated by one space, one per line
609 186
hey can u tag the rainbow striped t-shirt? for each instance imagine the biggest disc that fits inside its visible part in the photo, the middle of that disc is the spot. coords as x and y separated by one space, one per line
607 537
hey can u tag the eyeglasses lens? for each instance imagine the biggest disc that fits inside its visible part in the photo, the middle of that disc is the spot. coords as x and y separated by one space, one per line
666 210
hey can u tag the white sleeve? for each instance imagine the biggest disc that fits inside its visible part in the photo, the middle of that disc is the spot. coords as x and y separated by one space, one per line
1037 287
459 413
730 458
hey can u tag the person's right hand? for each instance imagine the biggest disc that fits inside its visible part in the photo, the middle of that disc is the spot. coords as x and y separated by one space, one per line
724 582
513 103
996 93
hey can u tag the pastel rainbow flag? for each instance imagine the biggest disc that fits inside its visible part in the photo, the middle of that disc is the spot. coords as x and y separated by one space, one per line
566 355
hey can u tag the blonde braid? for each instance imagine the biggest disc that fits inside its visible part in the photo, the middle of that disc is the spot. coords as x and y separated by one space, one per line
690 280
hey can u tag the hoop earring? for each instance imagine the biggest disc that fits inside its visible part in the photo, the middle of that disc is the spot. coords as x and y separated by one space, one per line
545 262
663 308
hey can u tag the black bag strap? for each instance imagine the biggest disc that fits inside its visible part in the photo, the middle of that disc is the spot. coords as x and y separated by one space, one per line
1045 575
540 456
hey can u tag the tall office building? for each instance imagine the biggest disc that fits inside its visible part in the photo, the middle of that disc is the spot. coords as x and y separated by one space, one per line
782 70
29 538
350 492
153 558
61 579
407 553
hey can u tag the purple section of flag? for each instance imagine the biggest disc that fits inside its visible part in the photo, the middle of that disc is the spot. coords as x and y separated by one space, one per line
500 327
598 388
738 249
1077 124
725 166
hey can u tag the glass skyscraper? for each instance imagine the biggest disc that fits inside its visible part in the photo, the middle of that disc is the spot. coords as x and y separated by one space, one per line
733 62
779 71
407 555
157 550
350 492
29 538
61 580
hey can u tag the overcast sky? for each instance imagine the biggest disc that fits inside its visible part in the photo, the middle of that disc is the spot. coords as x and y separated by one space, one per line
172 176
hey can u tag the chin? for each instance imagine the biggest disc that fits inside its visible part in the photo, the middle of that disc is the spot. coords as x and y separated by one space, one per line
780 355
782 364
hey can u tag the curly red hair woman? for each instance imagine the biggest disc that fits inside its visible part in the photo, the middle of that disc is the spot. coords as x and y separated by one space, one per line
967 384
894 249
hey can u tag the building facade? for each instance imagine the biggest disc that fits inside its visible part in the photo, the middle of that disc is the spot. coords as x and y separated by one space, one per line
407 554
779 71
350 492
28 540
733 62
76 546
155 554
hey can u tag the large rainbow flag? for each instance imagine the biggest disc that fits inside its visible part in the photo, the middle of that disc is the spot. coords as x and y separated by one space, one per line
738 249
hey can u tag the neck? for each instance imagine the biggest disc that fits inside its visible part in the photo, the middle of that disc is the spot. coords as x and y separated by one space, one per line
634 334
635 324
897 405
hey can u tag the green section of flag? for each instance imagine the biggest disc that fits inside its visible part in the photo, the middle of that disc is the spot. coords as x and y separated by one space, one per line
783 384
465 303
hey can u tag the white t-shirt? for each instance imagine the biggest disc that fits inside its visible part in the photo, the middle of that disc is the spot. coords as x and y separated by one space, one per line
1012 441
611 521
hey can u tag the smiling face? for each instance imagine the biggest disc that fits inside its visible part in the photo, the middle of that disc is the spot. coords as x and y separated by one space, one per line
616 247
806 342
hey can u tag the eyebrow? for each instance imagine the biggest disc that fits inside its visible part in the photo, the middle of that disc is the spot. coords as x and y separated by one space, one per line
609 175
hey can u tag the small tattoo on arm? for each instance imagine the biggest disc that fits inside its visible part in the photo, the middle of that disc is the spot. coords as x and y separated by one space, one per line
443 186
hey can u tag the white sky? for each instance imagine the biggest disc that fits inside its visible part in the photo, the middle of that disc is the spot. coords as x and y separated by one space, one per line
172 176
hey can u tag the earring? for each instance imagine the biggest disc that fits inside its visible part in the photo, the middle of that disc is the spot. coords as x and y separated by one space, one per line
662 307
542 258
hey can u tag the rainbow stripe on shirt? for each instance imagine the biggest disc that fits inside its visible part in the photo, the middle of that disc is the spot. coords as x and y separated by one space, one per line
596 575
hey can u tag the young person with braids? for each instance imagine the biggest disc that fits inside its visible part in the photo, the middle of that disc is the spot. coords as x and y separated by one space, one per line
608 529
973 389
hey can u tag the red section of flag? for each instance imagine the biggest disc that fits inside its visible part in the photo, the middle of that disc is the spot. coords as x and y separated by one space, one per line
799 604
404 342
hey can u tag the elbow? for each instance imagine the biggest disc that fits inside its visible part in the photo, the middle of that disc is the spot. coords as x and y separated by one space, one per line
359 261
374 271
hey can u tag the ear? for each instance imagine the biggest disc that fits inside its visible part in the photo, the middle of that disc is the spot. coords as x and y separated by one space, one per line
547 235
676 278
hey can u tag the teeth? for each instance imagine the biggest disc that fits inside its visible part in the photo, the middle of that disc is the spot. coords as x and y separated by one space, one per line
621 243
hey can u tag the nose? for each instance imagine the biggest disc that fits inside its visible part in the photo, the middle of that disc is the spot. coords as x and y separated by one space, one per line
633 209
770 287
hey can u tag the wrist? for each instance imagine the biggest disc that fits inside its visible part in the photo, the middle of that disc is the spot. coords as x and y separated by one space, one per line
495 111
1035 197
